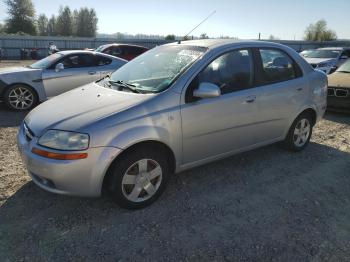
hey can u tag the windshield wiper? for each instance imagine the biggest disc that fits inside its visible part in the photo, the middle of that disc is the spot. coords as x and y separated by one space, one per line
123 84
342 71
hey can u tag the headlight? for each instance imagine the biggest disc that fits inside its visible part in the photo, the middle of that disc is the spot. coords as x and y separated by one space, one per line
64 140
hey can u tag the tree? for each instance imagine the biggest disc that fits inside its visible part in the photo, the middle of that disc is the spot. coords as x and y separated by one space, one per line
170 37
87 23
2 28
204 36
319 32
272 37
43 23
64 23
51 26
21 17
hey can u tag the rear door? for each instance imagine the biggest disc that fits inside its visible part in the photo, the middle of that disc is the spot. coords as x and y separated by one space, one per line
284 92
79 69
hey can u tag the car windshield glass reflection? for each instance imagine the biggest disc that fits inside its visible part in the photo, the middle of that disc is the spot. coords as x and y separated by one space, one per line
46 62
323 54
156 70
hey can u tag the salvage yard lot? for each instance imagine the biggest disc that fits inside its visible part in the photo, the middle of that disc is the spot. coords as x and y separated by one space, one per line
263 205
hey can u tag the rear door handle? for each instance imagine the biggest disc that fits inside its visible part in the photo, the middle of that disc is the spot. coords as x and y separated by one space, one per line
299 88
250 99
92 73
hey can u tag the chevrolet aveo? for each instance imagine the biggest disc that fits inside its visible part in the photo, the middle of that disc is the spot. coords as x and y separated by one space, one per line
175 107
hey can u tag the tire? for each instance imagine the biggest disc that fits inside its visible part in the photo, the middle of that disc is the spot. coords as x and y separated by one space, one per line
133 188
20 97
299 133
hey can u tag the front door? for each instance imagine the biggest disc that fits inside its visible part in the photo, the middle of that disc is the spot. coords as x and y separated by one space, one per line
79 69
214 126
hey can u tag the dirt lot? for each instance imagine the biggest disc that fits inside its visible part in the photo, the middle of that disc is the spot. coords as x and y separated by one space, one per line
264 205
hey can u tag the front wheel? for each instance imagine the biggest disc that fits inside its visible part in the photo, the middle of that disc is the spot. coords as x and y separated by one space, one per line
138 178
20 97
299 133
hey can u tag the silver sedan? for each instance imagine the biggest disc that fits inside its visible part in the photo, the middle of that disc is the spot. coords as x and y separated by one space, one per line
21 88
174 107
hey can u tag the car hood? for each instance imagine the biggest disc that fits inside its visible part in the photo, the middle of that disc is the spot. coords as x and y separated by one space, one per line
339 79
81 107
7 70
318 60
19 74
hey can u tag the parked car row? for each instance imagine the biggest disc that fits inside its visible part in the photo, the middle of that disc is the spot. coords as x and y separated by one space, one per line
174 107
327 59
21 88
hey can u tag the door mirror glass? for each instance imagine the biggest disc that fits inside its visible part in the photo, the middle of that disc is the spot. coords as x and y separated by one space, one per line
207 90
59 67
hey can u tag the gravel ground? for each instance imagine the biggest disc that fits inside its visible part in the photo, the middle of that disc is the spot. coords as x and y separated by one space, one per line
265 205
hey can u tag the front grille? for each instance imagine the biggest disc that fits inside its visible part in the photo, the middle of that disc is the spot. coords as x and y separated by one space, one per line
341 93
27 132
338 92
331 92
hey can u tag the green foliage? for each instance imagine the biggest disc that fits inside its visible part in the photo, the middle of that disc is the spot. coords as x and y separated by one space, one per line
64 22
204 36
42 23
86 22
51 26
319 32
170 37
21 17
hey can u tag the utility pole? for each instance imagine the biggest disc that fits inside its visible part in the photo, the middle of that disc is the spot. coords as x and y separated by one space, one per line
259 36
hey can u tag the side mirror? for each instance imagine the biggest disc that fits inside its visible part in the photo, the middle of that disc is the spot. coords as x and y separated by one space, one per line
59 67
344 57
207 90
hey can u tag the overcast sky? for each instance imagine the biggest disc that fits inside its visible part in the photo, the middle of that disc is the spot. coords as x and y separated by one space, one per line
284 19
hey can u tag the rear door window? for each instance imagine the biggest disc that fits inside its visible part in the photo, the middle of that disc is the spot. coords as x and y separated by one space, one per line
78 61
277 66
102 61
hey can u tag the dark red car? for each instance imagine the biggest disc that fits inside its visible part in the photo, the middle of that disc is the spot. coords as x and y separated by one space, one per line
127 52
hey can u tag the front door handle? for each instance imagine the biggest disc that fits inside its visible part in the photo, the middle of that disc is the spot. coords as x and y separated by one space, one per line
299 89
92 73
250 99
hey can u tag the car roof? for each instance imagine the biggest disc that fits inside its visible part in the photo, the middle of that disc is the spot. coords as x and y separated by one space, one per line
217 43
334 48
72 52
121 44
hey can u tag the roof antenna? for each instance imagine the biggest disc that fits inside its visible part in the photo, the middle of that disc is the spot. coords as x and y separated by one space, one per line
211 14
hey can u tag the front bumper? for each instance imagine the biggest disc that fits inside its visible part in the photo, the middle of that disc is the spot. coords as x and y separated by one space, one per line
338 98
82 177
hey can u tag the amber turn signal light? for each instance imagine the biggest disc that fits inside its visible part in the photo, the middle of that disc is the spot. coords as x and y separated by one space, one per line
59 156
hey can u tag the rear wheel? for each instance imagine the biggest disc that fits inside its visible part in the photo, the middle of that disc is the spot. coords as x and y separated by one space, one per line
299 133
138 178
20 97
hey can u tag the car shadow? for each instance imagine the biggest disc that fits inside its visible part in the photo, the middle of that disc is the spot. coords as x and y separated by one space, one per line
288 204
339 117
9 118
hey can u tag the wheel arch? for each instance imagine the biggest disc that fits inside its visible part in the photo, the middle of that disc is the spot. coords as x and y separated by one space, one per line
154 144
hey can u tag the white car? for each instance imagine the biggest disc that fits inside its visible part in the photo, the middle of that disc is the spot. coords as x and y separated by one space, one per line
327 59
21 88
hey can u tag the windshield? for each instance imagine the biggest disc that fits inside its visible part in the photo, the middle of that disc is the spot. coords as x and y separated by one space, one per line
155 70
100 48
46 62
323 54
344 67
